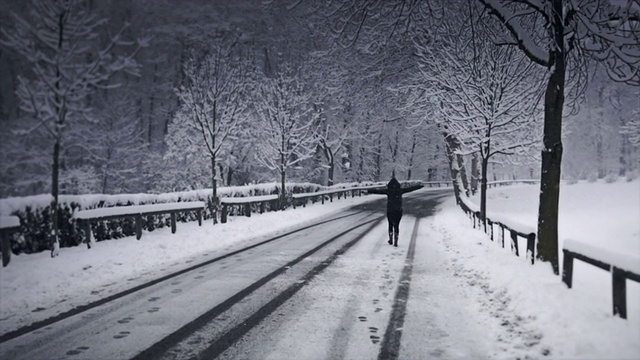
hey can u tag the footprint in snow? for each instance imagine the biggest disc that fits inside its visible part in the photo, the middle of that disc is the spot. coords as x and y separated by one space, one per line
77 350
121 335
125 320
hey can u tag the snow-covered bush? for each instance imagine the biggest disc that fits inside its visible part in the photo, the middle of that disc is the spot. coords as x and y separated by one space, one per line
571 180
35 215
632 175
611 178
592 177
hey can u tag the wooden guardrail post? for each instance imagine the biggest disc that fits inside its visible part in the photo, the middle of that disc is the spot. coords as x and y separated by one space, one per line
619 292
138 226
330 197
173 222
86 228
199 215
262 207
567 268
491 226
514 241
6 247
502 229
223 215
247 210
531 246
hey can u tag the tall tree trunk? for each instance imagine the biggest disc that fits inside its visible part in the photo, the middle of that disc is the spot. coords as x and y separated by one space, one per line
328 154
483 189
475 172
552 151
600 158
413 151
454 164
152 104
360 171
331 171
55 244
624 145
61 113
214 193
230 172
462 169
379 158
283 196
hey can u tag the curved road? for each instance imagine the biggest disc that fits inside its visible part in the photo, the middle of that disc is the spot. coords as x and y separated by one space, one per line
333 289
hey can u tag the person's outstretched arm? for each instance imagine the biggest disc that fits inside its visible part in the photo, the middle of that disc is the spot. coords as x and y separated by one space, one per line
377 191
412 188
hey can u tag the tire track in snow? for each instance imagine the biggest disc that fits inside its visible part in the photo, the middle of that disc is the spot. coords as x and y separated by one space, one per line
83 308
390 346
230 337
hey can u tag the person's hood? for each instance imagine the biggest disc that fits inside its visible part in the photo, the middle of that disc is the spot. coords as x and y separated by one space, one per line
393 184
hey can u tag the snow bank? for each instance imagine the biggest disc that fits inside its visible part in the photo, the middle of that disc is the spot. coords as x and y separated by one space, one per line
543 318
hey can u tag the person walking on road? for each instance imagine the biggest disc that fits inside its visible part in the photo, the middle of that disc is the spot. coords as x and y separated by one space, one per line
394 206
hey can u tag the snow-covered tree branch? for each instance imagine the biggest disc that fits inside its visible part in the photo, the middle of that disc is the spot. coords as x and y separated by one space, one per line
287 123
58 40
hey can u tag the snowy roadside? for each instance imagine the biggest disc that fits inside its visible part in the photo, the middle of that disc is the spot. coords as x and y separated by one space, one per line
35 287
537 309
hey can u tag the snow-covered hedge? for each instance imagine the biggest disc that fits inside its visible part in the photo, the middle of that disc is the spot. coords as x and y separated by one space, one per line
35 216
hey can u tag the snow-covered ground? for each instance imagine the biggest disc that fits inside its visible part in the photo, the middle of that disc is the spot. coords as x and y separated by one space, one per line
570 323
34 287
537 315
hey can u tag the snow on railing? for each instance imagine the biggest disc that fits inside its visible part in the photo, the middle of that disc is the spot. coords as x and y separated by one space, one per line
85 217
137 209
7 225
245 203
491 184
621 266
515 228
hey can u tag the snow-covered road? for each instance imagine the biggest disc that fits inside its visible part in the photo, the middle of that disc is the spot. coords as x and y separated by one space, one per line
381 302
330 290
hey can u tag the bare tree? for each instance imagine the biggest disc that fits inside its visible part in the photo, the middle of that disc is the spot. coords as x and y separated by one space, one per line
561 35
56 40
287 121
215 103
489 93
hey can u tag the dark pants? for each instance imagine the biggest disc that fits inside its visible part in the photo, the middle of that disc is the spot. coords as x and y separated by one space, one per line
394 217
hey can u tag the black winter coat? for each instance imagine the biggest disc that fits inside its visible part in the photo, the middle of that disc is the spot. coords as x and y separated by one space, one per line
394 194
